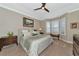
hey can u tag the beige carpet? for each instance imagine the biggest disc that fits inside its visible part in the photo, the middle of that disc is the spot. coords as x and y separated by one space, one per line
58 48
13 50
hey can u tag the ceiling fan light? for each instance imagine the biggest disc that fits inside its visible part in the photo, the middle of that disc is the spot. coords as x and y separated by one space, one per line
42 7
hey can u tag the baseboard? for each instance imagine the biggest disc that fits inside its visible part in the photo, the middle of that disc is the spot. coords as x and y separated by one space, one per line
67 41
11 45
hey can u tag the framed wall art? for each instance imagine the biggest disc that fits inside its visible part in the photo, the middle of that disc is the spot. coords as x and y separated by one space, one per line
74 25
28 22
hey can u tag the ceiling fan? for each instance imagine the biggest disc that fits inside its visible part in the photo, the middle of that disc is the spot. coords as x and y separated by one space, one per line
42 7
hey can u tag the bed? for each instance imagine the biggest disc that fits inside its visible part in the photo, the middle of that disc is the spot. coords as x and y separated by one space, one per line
34 45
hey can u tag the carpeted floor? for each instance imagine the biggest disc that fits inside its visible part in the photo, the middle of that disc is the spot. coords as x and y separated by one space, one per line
58 48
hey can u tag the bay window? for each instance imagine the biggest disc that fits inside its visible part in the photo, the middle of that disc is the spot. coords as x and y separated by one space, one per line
52 26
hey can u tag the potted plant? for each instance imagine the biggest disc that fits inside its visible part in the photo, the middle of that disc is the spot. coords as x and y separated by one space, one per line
10 35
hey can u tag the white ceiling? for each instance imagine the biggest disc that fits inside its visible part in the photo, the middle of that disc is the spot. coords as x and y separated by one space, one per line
56 9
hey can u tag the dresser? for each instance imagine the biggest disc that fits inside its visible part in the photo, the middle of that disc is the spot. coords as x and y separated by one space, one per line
76 45
4 41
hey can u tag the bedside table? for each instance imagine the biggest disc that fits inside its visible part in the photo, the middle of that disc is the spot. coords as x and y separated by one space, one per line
1 44
4 41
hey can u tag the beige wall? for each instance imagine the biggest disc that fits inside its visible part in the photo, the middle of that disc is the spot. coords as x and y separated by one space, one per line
71 18
68 32
11 22
43 26
37 24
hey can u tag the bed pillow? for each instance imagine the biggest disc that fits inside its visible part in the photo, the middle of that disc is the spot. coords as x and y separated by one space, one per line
26 33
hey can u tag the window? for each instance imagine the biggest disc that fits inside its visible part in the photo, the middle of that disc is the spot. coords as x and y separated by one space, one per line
48 27
52 26
55 26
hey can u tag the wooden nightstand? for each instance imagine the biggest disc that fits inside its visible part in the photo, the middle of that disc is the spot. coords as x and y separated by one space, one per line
1 44
7 41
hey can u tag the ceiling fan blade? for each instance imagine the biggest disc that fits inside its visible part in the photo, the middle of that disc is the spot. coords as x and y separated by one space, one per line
37 8
43 4
42 7
46 9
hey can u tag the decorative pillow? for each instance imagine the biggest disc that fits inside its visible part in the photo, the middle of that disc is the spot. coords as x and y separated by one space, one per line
35 33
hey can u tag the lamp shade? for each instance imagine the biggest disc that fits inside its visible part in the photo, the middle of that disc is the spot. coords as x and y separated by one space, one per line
40 29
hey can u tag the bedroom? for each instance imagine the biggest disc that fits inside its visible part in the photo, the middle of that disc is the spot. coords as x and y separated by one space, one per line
57 23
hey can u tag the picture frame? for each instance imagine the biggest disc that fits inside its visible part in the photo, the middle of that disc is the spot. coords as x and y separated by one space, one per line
74 25
28 22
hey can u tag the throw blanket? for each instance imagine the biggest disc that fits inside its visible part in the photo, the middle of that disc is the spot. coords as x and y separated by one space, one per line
28 41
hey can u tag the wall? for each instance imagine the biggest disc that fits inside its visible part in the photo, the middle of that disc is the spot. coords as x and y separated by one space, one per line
68 32
43 26
37 24
71 18
11 22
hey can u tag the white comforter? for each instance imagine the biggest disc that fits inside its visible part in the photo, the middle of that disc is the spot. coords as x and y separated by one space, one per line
36 44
